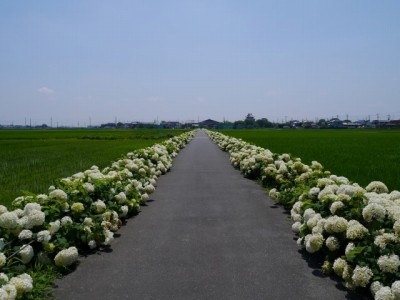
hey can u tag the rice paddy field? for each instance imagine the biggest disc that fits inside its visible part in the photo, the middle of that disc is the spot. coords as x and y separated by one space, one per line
360 155
31 160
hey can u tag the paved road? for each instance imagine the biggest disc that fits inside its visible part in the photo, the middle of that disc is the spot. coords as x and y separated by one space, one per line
208 234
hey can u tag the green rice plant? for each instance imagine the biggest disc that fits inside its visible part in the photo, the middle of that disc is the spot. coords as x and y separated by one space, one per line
361 155
31 160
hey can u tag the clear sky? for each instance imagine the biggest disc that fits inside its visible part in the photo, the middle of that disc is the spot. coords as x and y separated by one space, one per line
80 60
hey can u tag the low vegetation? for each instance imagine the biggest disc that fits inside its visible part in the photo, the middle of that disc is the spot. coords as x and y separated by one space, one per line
360 155
31 160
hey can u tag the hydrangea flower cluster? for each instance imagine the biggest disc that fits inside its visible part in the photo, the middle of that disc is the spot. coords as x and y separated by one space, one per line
358 229
80 213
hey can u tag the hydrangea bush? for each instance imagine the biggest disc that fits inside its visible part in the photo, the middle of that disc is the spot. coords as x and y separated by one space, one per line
356 228
78 214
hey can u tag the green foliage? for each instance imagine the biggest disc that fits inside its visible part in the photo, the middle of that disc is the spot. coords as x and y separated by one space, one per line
361 155
31 160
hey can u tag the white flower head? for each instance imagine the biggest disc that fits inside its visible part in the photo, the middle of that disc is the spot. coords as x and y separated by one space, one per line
8 220
26 253
66 220
332 243
335 206
43 236
362 276
66 257
22 283
384 293
374 211
389 263
58 194
54 226
377 187
25 234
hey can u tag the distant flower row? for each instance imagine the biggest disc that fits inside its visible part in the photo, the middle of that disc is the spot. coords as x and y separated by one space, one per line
358 229
81 213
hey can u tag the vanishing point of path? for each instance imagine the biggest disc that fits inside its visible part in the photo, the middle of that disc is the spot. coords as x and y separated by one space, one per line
208 234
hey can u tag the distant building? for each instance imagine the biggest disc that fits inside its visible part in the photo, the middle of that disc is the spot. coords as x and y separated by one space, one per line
170 124
209 124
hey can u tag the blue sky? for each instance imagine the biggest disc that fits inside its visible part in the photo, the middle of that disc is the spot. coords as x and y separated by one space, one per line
75 61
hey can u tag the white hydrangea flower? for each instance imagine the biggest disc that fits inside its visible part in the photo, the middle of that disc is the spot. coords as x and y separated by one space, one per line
383 239
149 188
355 230
145 197
316 165
296 227
3 278
54 227
89 187
314 242
319 228
88 221
373 211
343 198
322 182
8 220
43 236
339 266
124 211
313 193
58 195
389 263
396 289
362 276
66 257
296 217
20 213
25 234
100 206
77 207
350 247
66 220
332 243
3 260
396 228
313 221
3 294
121 198
328 191
92 244
3 209
375 286
35 218
384 293
377 187
10 290
26 253
30 207
109 237
308 214
335 206
22 283
335 224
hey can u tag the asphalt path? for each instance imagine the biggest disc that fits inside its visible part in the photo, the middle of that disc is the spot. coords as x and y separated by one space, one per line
208 233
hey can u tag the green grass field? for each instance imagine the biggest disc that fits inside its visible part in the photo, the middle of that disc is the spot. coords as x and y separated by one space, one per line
31 160
360 155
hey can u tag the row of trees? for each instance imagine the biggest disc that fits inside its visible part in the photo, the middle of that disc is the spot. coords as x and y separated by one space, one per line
251 122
